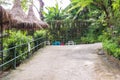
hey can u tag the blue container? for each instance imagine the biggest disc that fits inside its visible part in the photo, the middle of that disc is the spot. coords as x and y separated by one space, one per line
56 43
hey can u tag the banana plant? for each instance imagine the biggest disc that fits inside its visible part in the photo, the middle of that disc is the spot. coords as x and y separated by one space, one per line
54 13
105 6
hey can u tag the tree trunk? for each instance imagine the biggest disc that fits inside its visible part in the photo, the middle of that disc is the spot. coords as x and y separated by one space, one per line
41 9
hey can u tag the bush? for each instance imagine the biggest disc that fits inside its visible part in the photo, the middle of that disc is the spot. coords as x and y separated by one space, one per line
15 39
40 34
88 39
111 42
112 48
92 34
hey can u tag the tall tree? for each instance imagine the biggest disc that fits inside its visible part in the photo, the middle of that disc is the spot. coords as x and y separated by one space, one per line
103 5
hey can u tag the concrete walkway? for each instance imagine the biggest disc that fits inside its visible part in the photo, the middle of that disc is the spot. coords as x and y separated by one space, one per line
77 62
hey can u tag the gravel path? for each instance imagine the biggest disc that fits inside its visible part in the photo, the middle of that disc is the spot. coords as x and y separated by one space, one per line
77 62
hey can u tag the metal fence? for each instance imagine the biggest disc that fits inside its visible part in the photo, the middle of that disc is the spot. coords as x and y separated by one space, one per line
11 58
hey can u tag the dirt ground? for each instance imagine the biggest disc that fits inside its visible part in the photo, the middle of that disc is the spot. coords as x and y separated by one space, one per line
75 62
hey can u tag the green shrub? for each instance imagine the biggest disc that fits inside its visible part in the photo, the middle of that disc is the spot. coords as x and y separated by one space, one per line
111 42
112 48
40 34
92 34
88 39
106 35
16 39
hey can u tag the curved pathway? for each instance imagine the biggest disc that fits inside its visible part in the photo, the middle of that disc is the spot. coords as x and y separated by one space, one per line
76 62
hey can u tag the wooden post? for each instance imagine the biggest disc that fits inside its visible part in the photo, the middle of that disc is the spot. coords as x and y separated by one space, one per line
1 36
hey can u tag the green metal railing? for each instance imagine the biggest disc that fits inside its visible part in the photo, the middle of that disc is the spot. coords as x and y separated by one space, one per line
16 58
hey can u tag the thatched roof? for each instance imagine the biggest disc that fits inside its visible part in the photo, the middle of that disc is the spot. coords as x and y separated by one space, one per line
31 16
17 12
5 17
19 18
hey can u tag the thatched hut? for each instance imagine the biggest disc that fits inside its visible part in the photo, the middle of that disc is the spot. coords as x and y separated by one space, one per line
5 18
31 16
19 18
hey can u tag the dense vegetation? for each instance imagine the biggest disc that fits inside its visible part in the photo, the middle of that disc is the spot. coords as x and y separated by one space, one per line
18 41
83 21
103 15
106 14
69 24
19 44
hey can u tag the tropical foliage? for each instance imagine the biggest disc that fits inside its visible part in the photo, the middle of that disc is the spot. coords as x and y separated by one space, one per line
102 17
107 16
18 42
15 39
54 13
